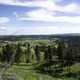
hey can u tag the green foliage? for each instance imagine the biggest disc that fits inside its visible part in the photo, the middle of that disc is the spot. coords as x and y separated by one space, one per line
18 53
7 54
37 53
52 56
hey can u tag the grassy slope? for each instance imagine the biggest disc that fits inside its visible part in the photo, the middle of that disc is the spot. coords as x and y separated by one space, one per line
25 72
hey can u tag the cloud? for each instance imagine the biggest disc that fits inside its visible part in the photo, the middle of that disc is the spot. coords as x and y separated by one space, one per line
36 30
43 30
45 13
2 28
45 16
10 2
72 8
37 15
16 15
48 10
4 20
49 5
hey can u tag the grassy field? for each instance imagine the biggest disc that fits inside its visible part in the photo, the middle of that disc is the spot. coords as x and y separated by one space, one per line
26 72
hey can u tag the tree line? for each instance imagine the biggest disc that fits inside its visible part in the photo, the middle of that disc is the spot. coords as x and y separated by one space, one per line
49 57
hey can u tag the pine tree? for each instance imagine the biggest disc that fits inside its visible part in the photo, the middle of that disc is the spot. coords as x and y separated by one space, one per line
7 53
50 54
28 53
37 53
69 59
60 54
48 58
18 53
60 51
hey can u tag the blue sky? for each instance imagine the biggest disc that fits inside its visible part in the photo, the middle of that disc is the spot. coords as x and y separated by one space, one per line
39 17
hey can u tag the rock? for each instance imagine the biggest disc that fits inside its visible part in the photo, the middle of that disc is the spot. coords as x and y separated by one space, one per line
1 77
8 77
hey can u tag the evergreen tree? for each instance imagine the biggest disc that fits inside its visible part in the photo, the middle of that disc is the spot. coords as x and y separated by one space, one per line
46 58
37 53
8 54
60 54
60 51
50 54
28 53
69 59
18 53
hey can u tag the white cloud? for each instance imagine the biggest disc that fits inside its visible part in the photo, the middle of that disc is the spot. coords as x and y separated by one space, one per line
40 15
44 30
4 20
47 11
43 15
73 20
7 1
14 13
47 4
58 0
2 28
72 8
39 30
68 19
50 5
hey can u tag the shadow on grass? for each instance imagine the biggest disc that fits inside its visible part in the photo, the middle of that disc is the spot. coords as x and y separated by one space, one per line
73 75
58 72
76 75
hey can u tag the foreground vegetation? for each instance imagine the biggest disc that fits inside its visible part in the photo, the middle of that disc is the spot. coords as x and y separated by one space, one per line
42 59
26 72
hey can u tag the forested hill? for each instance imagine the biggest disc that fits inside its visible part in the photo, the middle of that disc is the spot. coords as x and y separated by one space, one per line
70 38
60 36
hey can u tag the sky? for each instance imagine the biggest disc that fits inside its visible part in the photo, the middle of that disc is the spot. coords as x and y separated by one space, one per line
30 17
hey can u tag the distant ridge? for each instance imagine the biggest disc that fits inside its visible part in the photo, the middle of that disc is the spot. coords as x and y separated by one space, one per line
50 36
